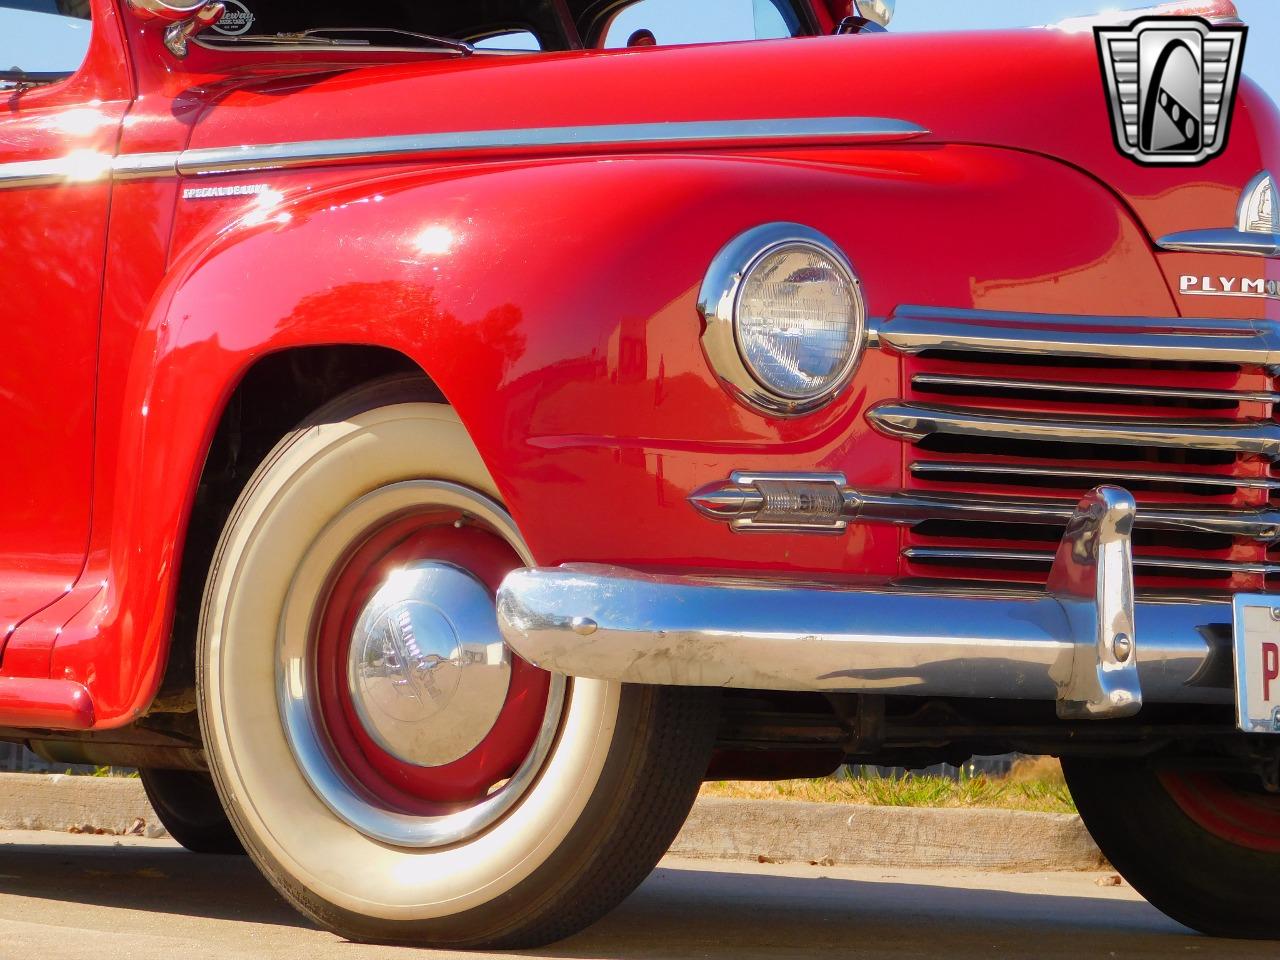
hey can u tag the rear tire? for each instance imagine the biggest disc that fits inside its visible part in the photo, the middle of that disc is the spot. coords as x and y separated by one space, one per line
1202 848
188 807
367 844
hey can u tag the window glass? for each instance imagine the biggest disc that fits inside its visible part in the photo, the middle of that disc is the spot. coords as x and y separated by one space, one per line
43 36
663 22
515 40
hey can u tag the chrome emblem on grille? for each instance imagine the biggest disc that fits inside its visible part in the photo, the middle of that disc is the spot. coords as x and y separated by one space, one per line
1171 86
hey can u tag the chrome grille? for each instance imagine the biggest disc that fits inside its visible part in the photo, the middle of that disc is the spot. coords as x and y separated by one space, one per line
1180 412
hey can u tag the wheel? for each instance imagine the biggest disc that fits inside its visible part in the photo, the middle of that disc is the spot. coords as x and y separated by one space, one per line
396 772
188 807
1202 847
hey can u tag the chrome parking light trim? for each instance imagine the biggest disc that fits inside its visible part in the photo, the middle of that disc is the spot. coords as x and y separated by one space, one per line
799 502
277 156
915 329
911 421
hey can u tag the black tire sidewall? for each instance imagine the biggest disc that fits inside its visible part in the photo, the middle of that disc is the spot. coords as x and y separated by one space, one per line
188 806
1189 873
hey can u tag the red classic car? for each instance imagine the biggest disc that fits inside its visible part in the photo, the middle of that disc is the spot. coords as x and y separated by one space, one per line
438 436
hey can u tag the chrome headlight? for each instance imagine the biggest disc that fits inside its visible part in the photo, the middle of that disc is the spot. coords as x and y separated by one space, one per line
786 322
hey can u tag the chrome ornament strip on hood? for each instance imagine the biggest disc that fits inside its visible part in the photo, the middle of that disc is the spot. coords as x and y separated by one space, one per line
276 156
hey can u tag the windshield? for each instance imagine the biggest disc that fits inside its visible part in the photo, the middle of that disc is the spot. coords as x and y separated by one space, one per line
503 25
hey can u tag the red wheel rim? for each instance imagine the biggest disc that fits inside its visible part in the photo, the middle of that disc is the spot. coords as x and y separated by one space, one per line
1226 807
445 537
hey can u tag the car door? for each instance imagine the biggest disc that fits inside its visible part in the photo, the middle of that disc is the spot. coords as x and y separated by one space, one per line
63 92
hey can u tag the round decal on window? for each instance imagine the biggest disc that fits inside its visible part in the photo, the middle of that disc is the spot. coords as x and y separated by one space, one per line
237 20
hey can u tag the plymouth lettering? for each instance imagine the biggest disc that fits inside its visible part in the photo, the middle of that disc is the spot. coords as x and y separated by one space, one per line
1193 286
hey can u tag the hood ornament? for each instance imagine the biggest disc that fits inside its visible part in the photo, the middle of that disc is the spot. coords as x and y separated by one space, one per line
1258 206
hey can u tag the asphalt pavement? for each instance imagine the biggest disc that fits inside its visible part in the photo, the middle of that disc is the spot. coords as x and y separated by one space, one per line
80 897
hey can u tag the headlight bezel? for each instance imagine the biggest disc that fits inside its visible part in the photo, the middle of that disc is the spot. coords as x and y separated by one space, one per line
719 301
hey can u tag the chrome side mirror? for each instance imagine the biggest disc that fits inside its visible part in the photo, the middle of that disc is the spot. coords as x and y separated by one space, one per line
185 19
172 10
877 11
867 16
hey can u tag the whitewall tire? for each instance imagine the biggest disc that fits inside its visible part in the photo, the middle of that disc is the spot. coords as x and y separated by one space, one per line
345 768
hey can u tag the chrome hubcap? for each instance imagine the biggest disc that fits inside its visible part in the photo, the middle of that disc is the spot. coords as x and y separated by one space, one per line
428 681
428 672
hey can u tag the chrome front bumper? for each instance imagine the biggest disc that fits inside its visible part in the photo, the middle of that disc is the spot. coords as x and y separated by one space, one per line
1085 642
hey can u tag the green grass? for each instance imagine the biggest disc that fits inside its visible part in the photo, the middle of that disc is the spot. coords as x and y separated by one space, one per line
1037 786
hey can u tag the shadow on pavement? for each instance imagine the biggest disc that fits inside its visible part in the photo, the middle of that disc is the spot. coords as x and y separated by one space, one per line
681 911
157 879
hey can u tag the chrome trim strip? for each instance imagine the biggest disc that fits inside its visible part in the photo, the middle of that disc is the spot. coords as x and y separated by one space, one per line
133 166
1047 556
84 167
717 132
1223 240
916 421
803 500
276 156
1042 386
774 635
1102 474
915 329
81 168
1270 292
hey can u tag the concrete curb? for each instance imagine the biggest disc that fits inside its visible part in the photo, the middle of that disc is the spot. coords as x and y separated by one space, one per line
113 805
829 833
718 829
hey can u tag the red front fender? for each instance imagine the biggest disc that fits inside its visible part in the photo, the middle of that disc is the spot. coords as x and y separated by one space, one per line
554 306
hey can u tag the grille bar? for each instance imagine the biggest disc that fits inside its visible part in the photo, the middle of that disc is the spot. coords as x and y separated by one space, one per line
927 468
1045 557
1030 406
916 422
914 330
998 384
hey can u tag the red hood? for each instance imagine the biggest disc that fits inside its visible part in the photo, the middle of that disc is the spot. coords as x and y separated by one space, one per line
1034 90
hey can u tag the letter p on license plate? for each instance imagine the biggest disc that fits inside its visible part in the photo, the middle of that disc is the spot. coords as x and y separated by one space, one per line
1257 643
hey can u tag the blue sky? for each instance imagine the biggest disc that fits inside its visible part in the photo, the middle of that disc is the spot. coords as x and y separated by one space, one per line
691 20
48 42
1263 17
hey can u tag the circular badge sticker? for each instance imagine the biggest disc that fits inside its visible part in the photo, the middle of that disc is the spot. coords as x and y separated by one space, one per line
236 21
